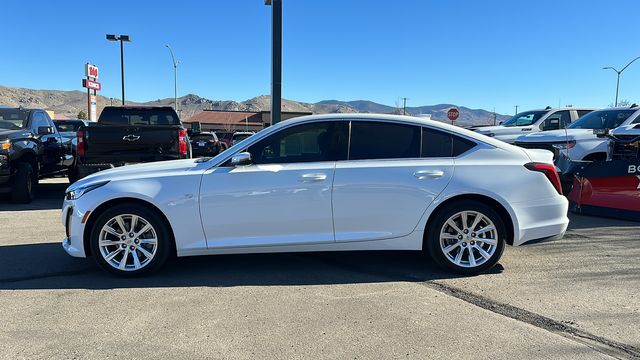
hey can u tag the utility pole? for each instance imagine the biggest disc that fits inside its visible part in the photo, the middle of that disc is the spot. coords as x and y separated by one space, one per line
516 106
122 39
276 59
175 78
404 106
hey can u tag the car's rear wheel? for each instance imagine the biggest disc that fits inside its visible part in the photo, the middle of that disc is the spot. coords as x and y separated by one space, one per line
24 183
130 240
467 237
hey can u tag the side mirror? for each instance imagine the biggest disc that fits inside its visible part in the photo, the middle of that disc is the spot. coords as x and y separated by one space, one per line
242 158
553 124
500 123
45 130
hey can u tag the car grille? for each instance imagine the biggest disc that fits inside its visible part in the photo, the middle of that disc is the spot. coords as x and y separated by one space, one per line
534 145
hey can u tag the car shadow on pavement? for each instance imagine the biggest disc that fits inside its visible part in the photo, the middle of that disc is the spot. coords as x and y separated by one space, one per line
46 266
578 222
49 196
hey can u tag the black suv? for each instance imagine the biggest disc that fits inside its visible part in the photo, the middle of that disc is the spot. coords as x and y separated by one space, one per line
30 148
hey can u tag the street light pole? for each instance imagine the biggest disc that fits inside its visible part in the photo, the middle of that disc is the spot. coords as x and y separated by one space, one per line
175 78
618 72
516 106
122 39
276 59
404 106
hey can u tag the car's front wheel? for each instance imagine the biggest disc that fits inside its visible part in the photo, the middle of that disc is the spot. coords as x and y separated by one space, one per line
130 240
467 237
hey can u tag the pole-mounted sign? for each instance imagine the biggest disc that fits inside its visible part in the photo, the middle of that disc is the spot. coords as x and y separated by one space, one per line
91 83
453 114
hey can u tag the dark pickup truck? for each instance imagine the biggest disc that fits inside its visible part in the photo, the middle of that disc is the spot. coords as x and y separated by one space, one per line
129 135
31 148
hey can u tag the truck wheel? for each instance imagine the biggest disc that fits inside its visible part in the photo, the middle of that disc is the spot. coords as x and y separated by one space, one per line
24 184
72 174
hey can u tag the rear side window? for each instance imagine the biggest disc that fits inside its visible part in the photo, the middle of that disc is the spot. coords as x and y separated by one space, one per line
582 113
437 143
380 140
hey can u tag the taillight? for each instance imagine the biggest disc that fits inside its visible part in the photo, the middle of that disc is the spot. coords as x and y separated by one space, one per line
182 142
549 171
80 146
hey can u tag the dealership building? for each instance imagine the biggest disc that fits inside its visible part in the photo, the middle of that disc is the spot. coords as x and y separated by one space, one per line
231 121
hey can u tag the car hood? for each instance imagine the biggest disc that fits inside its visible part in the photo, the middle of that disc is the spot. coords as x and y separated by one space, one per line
626 130
10 134
557 135
146 170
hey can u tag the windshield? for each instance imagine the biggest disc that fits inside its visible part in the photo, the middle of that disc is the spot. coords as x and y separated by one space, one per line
525 119
603 119
13 119
203 137
239 137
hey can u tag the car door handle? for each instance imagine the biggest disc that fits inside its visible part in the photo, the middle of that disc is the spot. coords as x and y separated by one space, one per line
313 177
428 174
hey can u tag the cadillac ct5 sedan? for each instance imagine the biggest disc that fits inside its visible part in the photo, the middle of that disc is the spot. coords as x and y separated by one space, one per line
323 183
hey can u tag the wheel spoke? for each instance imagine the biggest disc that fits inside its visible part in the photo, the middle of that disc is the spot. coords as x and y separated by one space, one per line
134 222
111 231
123 261
136 260
464 218
472 258
144 229
113 254
485 229
451 247
488 241
476 221
152 241
454 226
483 253
459 256
110 242
144 252
120 222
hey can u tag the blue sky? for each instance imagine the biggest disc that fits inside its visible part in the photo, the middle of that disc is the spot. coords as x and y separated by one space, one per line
480 54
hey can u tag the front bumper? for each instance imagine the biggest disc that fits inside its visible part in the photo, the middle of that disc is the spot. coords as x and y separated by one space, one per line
541 219
72 217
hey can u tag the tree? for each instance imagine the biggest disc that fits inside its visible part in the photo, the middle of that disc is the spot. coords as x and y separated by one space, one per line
82 115
621 103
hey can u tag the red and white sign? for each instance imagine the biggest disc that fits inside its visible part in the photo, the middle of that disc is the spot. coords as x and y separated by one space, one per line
93 104
93 85
453 114
91 71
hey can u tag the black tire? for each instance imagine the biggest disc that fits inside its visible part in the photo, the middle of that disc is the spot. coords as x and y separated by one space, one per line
163 233
24 184
72 174
432 240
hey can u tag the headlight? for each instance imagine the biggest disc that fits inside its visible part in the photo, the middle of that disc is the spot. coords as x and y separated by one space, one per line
76 193
565 145
5 145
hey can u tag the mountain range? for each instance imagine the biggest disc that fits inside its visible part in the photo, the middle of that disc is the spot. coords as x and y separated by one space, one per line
70 103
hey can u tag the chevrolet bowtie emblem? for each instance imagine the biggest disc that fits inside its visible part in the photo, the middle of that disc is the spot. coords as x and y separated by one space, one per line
131 137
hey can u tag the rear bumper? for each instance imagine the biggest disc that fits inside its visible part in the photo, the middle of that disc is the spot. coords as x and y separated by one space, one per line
541 219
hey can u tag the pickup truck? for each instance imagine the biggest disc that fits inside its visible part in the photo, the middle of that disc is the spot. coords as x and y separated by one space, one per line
578 141
31 148
533 121
129 135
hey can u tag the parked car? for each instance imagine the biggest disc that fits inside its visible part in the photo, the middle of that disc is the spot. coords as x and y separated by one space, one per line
239 136
30 149
205 144
578 141
128 135
533 121
225 138
624 144
323 183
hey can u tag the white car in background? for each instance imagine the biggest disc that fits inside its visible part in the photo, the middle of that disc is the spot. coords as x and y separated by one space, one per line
323 183
578 142
533 121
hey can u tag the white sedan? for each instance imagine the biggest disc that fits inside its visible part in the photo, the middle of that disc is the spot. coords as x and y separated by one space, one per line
323 183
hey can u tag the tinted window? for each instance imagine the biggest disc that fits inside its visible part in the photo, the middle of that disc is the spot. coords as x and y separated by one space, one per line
13 119
68 126
139 116
39 120
582 113
437 143
557 120
602 119
380 140
203 137
240 137
322 141
525 118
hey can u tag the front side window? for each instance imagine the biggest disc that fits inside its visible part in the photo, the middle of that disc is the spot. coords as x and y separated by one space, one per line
557 120
380 140
602 119
13 119
321 141
39 120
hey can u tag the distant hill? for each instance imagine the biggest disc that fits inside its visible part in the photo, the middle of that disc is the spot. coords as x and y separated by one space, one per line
69 104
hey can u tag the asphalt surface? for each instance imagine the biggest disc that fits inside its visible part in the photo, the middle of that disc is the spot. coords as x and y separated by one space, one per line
574 298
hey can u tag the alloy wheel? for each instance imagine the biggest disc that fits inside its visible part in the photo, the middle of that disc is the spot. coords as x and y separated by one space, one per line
128 242
468 239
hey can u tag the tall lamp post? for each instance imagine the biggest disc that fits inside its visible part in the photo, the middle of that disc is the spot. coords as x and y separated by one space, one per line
276 59
618 72
122 39
175 78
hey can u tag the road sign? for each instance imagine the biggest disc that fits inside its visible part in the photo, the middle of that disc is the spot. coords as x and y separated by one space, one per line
453 114
93 85
91 71
93 104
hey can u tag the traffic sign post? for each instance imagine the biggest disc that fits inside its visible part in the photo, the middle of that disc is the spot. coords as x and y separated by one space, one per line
453 114
91 83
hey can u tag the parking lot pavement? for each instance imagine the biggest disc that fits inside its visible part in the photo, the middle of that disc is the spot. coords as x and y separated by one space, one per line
574 298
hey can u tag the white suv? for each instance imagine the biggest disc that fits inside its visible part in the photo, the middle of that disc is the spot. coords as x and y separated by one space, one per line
533 121
577 141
